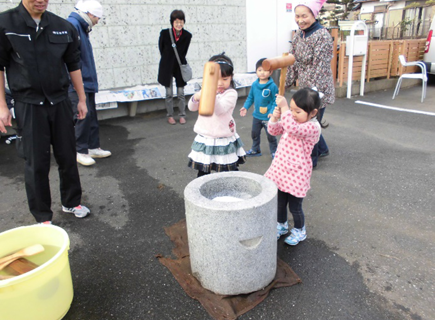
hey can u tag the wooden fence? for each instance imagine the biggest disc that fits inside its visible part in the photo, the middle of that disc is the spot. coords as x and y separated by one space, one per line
382 59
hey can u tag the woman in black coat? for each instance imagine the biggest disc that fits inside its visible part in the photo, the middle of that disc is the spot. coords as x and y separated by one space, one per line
169 67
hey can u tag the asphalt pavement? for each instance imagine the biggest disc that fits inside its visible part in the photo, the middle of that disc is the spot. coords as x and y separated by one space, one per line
370 216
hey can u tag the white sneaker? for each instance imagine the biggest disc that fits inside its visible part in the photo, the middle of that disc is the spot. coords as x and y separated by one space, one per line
79 211
296 236
99 153
85 159
281 229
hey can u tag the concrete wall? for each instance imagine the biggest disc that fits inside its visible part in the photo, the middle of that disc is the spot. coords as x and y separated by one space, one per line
126 40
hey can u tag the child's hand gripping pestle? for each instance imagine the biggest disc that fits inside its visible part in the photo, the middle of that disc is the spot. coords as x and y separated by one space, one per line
279 63
209 87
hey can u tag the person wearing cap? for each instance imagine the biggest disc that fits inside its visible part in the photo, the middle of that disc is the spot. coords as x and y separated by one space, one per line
86 16
38 50
312 48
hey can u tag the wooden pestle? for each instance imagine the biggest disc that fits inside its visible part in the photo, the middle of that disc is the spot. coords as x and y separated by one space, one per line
279 62
20 266
209 87
282 63
25 252
17 268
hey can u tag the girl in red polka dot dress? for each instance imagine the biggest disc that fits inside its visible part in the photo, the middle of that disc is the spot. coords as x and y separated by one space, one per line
292 166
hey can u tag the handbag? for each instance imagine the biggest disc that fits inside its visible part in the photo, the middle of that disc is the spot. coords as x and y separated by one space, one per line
186 70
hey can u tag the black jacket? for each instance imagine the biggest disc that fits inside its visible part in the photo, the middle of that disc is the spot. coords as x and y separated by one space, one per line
168 67
36 61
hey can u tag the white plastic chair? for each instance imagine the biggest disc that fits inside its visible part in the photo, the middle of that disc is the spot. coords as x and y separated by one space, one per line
422 76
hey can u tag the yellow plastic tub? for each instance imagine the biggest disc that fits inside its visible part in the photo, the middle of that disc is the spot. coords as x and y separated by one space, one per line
46 292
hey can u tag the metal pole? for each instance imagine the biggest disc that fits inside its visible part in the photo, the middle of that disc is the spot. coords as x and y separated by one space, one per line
350 66
363 70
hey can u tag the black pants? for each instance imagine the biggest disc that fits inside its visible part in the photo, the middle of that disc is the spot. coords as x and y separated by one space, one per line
87 129
41 126
295 206
257 125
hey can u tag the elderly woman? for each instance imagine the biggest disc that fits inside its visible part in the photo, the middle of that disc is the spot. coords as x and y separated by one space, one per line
169 67
312 48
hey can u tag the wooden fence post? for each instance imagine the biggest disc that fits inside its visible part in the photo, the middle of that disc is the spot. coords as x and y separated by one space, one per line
341 62
369 65
401 69
390 59
334 34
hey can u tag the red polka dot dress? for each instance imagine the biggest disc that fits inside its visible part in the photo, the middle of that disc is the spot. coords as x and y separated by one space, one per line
292 166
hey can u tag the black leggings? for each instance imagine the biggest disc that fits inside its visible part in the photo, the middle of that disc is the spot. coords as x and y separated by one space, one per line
295 207
202 173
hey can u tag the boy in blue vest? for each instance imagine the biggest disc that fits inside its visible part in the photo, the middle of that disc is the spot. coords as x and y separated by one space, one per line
262 95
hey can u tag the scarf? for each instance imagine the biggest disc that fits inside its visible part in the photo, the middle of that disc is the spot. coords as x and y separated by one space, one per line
311 29
85 17
177 37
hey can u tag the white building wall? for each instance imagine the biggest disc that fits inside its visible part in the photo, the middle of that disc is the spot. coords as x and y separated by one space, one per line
125 41
269 29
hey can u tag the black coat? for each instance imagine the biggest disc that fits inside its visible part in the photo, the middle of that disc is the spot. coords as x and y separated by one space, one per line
168 67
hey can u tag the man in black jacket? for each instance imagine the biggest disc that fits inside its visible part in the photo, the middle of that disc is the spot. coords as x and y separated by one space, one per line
38 49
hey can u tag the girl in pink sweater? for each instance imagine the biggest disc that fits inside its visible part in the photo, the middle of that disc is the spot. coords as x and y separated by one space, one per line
217 145
292 166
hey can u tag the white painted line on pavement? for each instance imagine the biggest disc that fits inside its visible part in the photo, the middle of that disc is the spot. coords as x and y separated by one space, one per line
394 108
